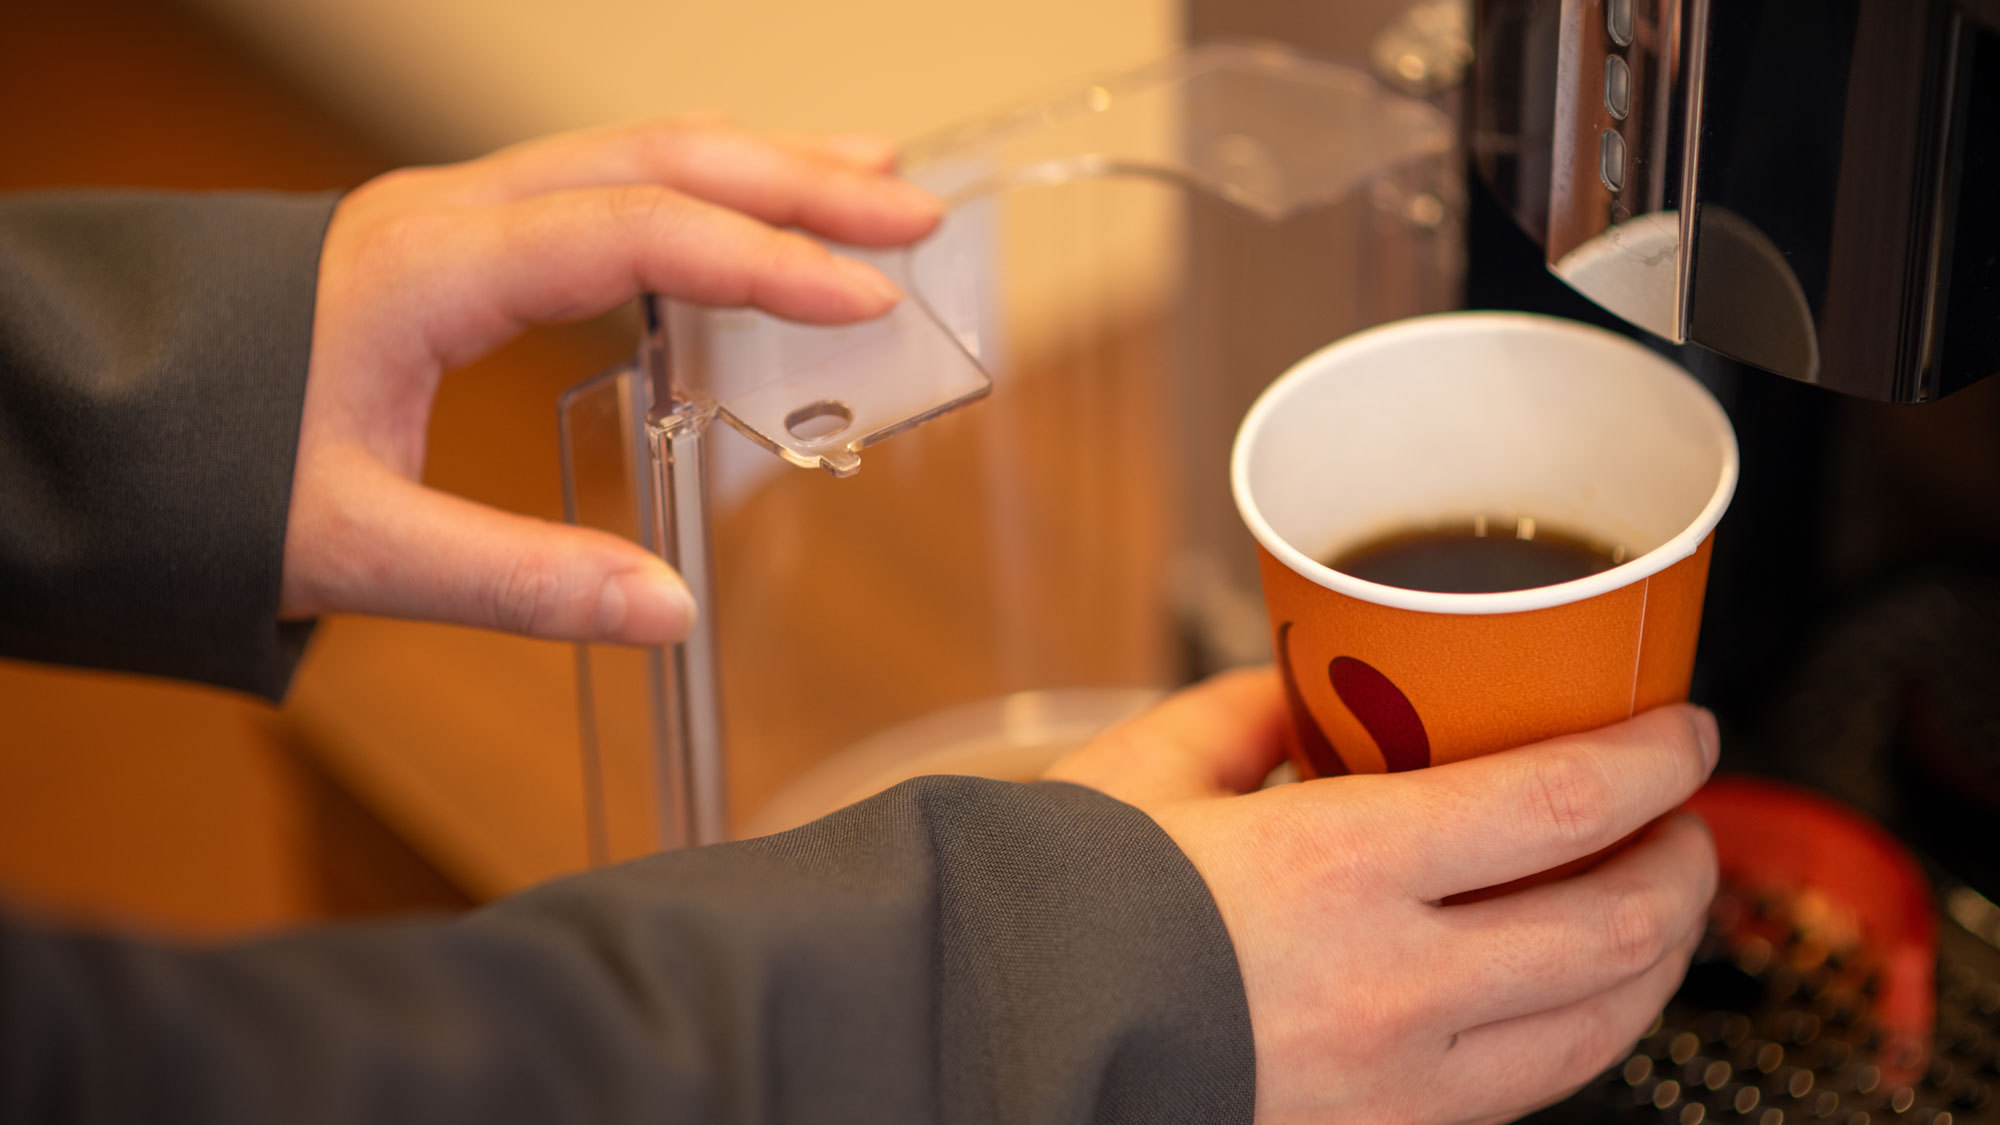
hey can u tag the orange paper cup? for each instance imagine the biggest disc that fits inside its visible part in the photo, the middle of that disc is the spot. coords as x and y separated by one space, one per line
1455 416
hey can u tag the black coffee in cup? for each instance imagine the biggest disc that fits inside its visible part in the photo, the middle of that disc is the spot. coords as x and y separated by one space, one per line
1478 556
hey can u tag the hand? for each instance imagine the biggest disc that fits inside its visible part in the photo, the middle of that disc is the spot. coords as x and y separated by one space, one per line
1371 1001
427 269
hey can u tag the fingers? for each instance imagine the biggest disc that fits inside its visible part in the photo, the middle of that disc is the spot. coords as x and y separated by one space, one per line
866 151
1222 736
1564 942
833 186
1519 1065
573 254
386 545
1470 825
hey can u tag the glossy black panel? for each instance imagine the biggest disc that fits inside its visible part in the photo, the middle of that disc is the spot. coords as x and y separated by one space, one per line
1970 345
1770 152
1511 117
1842 178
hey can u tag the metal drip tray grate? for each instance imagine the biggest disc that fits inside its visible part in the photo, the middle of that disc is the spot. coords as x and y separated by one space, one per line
1777 1024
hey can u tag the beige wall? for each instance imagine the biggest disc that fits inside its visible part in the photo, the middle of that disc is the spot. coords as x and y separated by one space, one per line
446 78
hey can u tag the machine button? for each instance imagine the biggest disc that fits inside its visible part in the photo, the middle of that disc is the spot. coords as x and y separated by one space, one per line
1617 87
1611 161
1618 21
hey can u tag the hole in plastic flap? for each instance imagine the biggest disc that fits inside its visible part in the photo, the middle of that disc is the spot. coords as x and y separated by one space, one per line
818 421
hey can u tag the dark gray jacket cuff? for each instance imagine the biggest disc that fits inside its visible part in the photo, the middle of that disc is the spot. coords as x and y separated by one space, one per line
153 353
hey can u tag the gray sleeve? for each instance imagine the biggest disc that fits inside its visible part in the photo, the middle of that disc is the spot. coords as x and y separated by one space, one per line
152 368
954 950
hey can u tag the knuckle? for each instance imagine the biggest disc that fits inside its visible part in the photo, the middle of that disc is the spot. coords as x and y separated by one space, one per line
373 255
1635 931
523 598
784 256
1108 756
666 146
1129 741
1572 799
1342 865
399 181
642 207
1289 829
787 251
387 244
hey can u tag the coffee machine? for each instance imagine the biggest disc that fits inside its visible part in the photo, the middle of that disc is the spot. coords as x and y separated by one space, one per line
1797 198
1804 187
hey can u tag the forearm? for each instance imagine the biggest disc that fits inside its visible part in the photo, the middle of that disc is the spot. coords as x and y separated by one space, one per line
955 950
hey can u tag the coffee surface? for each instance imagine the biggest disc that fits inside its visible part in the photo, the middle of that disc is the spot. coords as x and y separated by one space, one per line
1478 556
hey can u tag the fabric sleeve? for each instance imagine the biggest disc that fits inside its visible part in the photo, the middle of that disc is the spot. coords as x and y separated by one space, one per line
153 355
955 950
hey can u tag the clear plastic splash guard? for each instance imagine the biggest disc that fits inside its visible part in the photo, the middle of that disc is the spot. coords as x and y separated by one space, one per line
1042 541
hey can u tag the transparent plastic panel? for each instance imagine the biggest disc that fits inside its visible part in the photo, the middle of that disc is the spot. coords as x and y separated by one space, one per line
1118 275
1256 125
635 773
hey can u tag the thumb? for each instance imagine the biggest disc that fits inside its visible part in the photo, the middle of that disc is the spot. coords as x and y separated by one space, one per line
1222 736
381 544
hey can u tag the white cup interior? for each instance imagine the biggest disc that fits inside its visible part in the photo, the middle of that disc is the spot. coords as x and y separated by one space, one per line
1462 415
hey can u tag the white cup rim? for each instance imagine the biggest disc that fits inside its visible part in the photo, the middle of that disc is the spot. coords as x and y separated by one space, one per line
1275 396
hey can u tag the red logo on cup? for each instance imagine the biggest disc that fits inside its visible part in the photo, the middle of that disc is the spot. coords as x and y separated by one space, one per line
1313 746
1383 711
1376 703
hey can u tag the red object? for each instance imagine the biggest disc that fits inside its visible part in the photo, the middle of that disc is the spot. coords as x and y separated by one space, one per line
1383 711
1783 840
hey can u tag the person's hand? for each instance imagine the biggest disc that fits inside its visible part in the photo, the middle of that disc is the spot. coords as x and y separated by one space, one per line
427 269
1369 999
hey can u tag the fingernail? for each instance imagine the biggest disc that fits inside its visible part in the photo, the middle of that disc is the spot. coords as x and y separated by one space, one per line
645 607
914 198
1706 733
869 278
